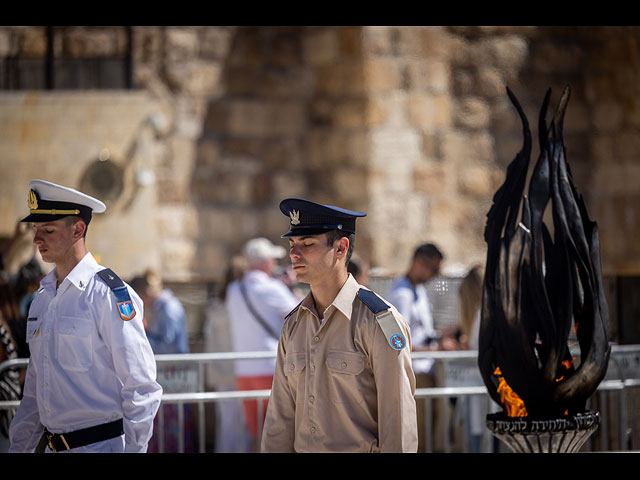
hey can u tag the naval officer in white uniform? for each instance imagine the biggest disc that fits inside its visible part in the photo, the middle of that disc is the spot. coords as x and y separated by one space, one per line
91 380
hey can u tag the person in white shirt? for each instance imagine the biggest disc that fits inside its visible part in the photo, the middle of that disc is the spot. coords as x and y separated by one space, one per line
91 378
257 304
408 294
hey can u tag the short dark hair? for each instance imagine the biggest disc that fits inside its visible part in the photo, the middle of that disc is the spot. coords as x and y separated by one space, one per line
428 250
333 235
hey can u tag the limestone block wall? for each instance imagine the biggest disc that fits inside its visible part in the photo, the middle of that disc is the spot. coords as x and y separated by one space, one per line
410 124
59 136
432 163
182 69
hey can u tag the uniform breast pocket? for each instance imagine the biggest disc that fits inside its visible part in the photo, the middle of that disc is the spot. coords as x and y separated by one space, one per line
344 368
74 349
294 365
33 329
34 335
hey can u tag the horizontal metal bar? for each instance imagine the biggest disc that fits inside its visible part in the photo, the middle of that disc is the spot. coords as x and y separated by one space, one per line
213 396
235 356
436 392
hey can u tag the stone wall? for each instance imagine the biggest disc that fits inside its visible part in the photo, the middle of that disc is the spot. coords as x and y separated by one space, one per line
35 132
410 124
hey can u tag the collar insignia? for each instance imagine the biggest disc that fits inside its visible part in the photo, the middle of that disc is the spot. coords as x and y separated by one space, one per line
32 200
295 217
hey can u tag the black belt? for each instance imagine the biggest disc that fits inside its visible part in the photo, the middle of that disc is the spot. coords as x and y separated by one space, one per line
66 441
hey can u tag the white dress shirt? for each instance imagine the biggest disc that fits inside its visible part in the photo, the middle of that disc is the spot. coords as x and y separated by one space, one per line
88 366
272 300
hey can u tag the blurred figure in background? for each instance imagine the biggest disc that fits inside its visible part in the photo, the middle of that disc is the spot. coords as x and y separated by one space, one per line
227 420
10 382
165 317
470 298
359 269
21 268
257 305
217 331
409 295
166 327
20 275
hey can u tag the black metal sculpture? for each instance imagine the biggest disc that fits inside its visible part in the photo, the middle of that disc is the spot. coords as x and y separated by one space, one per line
540 281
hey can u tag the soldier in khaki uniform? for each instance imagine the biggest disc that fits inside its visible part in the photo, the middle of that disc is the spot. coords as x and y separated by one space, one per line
343 380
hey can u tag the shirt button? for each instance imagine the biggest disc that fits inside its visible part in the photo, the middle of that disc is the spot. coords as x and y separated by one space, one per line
313 367
312 399
312 429
293 367
343 364
316 338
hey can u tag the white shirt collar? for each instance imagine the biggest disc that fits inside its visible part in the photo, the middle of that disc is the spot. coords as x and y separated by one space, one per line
343 301
83 271
79 276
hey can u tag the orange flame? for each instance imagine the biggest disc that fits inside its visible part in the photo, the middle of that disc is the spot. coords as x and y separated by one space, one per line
567 365
510 400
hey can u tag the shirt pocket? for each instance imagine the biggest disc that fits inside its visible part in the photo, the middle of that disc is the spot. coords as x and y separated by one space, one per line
294 363
74 349
33 329
344 368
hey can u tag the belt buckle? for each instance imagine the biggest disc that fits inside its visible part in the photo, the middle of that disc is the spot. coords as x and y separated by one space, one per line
52 446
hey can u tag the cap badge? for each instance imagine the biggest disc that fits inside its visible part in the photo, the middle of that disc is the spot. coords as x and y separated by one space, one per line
32 200
295 217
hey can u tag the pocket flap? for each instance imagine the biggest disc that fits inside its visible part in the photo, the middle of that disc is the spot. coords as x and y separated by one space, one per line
294 363
345 362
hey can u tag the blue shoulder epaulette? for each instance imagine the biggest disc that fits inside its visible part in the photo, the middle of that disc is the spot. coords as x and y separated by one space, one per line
123 299
372 301
385 318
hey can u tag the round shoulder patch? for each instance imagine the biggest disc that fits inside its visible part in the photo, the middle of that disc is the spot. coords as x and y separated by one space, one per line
397 341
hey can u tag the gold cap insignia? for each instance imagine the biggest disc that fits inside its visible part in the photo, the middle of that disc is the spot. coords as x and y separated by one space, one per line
295 217
32 200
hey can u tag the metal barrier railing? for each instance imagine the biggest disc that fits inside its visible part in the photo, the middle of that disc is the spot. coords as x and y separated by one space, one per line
624 359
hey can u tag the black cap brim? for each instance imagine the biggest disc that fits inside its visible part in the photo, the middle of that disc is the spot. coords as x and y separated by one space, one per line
43 218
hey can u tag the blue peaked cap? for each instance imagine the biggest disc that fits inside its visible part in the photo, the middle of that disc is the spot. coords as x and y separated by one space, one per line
310 218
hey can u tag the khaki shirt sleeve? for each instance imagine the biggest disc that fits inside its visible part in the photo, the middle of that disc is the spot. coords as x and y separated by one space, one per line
278 434
396 385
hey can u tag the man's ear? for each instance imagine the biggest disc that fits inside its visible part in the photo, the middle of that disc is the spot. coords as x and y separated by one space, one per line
343 246
79 227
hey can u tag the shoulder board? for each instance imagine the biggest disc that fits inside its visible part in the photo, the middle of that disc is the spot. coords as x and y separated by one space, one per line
293 311
372 300
125 305
385 318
